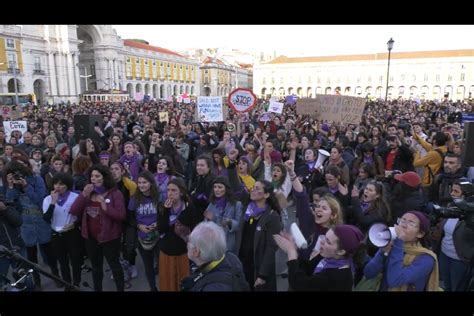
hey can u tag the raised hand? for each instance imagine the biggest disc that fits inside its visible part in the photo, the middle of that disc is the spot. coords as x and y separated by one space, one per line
290 165
233 154
54 197
86 192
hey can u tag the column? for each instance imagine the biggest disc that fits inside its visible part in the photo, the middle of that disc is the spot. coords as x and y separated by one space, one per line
116 73
52 75
111 74
59 65
77 72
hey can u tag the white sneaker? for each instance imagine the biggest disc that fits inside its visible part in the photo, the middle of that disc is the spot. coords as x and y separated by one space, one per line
133 272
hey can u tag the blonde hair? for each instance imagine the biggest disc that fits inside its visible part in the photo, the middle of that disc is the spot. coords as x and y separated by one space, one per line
336 210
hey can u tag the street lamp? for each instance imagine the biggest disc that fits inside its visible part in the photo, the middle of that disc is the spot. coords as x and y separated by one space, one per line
389 47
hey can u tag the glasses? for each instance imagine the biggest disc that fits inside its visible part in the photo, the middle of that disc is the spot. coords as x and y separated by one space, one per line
404 221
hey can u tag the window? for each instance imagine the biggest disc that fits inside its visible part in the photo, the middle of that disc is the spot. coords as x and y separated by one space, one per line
463 76
10 43
180 66
146 61
402 78
450 78
413 78
281 80
273 80
380 79
92 67
128 59
137 60
437 78
174 66
425 78
11 60
391 78
37 63
369 79
161 64
264 80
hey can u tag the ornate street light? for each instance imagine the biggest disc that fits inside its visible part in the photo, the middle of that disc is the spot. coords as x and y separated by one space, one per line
389 47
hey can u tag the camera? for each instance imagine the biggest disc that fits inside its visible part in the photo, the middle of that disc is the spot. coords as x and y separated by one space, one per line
17 175
463 209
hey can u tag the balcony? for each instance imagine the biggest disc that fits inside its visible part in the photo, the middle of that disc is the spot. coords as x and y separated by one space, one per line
38 72
10 70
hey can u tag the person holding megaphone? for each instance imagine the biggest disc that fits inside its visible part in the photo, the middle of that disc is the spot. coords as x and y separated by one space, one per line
405 264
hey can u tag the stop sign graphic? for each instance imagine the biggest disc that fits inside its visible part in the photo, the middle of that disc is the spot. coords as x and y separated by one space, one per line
242 100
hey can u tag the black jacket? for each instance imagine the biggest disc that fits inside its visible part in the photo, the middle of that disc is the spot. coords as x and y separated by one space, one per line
10 222
442 184
227 276
403 159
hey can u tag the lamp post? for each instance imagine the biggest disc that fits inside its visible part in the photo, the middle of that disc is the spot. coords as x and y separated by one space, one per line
389 47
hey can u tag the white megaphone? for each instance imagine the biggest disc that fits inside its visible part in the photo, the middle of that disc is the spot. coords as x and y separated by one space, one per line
322 157
381 235
298 236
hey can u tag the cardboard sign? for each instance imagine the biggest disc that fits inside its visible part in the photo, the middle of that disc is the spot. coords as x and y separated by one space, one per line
308 106
343 109
163 116
209 109
10 126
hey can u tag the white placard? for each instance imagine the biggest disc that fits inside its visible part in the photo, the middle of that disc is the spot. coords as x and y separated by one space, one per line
275 107
10 126
209 109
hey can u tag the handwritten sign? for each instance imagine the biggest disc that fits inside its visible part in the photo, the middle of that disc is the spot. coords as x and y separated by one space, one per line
163 116
242 100
209 109
308 106
275 107
10 126
344 109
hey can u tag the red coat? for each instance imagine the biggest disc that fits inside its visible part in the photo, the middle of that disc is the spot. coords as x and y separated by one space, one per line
110 220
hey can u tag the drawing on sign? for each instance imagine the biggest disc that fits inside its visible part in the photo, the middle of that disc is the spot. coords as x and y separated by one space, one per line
275 107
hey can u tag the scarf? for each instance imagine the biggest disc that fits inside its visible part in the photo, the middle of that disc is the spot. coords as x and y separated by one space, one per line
332 263
311 165
63 198
221 203
174 214
100 190
411 252
133 166
333 190
369 160
254 211
364 206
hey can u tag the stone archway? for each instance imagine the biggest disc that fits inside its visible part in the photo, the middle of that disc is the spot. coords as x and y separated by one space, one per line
39 90
162 91
175 90
147 89
130 90
11 85
90 37
155 91
192 90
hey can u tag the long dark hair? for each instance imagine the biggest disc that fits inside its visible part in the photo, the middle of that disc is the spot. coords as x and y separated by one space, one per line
169 161
380 205
229 193
154 194
282 167
109 182
182 189
271 200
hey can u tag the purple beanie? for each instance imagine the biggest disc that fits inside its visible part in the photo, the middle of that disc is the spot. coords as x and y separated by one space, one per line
424 221
350 237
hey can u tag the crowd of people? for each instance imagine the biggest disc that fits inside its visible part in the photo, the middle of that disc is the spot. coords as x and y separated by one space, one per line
206 205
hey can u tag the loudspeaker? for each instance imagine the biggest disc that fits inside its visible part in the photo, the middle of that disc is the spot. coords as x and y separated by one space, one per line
381 235
468 156
84 126
298 236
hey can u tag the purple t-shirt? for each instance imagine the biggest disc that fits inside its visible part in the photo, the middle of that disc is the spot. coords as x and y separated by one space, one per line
145 213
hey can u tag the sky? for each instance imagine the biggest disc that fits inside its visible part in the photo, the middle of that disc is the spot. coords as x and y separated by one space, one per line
304 40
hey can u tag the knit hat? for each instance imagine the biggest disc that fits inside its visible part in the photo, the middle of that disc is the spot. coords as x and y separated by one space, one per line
246 160
424 221
410 178
350 237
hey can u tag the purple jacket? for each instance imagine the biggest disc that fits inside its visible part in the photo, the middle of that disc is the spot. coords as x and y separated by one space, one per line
110 220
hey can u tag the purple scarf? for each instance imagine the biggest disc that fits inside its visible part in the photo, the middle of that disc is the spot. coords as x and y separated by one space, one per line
369 160
221 203
254 211
63 198
331 263
333 190
174 214
364 206
311 165
100 190
133 166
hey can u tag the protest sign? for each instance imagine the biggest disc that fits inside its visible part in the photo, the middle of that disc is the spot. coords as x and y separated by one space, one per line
10 126
308 106
163 116
343 109
275 107
209 109
242 100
